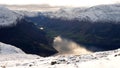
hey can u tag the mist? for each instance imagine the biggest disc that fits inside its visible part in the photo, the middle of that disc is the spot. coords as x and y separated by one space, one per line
65 47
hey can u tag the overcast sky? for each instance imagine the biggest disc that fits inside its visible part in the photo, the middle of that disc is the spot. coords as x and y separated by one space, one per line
73 3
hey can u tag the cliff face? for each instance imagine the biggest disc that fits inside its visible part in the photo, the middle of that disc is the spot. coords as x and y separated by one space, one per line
26 36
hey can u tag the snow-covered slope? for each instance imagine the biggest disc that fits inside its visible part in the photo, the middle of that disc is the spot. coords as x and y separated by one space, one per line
8 17
9 52
107 59
9 49
96 13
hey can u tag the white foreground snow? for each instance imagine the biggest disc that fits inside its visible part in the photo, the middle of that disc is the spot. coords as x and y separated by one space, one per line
106 59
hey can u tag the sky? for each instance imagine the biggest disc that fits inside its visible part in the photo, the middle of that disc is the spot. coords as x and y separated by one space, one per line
73 3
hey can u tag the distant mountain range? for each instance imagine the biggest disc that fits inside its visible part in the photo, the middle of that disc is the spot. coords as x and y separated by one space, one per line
103 13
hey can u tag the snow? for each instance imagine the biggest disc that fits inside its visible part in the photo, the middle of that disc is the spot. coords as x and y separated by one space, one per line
8 17
9 49
27 13
13 57
10 52
95 13
106 59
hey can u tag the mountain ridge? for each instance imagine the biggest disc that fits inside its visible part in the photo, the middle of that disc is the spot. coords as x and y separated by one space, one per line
93 14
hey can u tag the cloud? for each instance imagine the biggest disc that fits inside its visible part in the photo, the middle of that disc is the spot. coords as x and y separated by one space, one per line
65 46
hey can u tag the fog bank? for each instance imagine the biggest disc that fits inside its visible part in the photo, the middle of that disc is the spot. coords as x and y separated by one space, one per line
65 46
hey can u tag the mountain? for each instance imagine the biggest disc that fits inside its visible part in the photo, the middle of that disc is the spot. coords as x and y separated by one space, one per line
17 31
93 14
93 27
34 34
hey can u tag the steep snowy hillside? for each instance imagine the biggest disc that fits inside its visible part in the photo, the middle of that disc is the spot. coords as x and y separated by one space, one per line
8 17
9 49
10 52
108 59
